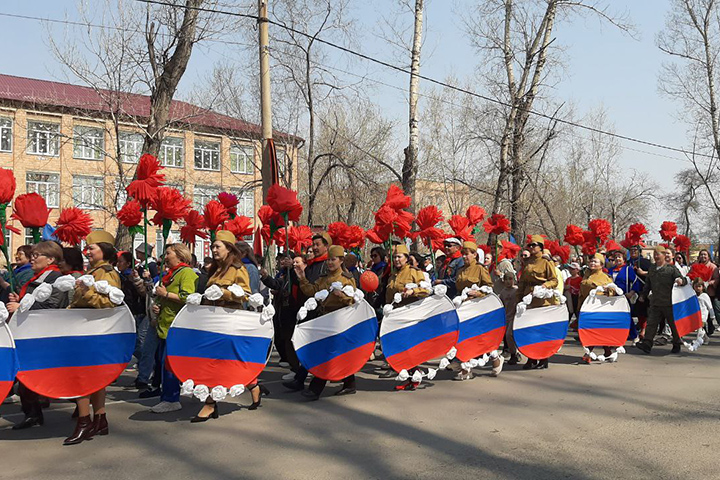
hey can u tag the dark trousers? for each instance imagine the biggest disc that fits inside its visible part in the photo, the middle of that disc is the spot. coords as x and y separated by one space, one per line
30 401
317 385
658 315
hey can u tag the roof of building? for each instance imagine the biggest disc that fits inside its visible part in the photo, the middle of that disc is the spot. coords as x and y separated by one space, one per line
37 94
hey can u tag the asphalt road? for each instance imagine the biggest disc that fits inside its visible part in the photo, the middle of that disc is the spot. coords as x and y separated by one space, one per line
643 417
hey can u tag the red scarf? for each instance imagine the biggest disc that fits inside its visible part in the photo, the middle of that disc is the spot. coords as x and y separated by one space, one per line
167 278
51 268
315 260
450 258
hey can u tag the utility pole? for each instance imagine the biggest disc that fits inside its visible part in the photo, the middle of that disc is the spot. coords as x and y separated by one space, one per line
268 149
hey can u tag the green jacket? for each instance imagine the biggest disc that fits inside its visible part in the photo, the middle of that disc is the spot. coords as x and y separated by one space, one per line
660 282
182 284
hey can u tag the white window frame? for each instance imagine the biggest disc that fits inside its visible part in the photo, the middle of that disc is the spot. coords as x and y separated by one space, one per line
45 134
173 237
131 144
88 143
246 201
174 149
202 194
209 153
95 192
49 189
6 132
242 156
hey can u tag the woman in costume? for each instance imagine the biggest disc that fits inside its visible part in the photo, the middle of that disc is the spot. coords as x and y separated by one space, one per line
227 269
100 252
594 278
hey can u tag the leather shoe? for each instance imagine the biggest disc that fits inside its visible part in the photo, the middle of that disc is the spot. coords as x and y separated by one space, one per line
346 391
675 349
529 364
294 385
388 374
83 431
29 421
643 348
100 425
150 393
309 394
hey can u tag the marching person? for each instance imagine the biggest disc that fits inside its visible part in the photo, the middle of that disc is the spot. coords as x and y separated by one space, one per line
100 252
641 265
450 266
703 258
508 296
72 264
706 309
402 275
474 273
227 269
170 296
660 280
22 271
335 301
537 271
624 277
594 278
44 259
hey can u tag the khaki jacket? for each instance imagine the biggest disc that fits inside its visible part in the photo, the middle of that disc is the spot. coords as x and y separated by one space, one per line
538 271
91 299
396 284
235 274
591 282
472 274
334 301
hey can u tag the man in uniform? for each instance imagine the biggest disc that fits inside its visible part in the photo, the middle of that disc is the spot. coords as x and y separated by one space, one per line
660 280
450 266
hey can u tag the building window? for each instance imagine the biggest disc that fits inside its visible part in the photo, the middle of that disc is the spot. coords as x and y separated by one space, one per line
281 161
207 155
171 152
5 134
241 159
130 147
47 185
173 237
202 194
43 138
246 202
8 239
88 192
88 143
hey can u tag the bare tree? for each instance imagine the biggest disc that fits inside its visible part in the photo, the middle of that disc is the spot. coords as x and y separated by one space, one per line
410 165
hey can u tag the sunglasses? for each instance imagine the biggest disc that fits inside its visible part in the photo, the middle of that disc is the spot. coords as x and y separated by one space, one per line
532 245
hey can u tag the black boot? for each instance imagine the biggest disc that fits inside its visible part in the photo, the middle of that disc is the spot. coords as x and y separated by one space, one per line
83 431
30 421
529 364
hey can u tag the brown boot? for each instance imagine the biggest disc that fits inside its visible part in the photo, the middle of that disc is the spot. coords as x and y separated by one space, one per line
100 425
83 431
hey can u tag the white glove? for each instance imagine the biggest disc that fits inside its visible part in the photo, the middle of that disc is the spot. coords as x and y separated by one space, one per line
236 290
268 312
87 280
116 295
26 302
64 283
440 290
4 314
321 295
256 300
311 304
102 287
194 299
42 292
213 292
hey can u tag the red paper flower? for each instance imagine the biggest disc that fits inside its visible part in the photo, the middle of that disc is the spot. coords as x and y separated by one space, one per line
300 238
377 235
240 226
267 215
169 204
403 223
461 228
574 235
130 215
284 201
682 243
700 270
73 225
7 186
229 201
509 250
215 215
428 217
636 231
668 231
194 225
338 232
589 248
148 180
562 251
600 228
279 237
612 246
475 215
355 237
396 198
497 224
31 210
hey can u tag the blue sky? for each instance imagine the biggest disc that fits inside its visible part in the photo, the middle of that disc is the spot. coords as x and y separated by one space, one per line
604 67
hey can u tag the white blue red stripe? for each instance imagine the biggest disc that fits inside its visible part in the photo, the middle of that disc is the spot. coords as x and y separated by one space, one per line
604 321
482 326
686 310
419 332
540 332
338 344
218 346
8 360
69 353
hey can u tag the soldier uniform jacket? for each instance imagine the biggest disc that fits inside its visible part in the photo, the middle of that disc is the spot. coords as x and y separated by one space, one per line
591 281
472 274
91 299
235 274
538 271
660 282
334 301
398 280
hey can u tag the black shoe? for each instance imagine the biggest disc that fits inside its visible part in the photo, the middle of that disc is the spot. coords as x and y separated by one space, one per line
675 349
388 374
294 385
642 347
150 393
346 391
263 391
214 414
141 385
309 394
529 364
543 364
385 366
29 421
513 360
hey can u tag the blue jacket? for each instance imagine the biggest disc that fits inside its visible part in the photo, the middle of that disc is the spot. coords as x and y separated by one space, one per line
448 275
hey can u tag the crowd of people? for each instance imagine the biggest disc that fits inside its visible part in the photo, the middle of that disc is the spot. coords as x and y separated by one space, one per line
156 289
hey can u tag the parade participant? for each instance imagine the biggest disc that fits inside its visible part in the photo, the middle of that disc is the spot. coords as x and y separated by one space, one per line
452 263
170 296
378 261
152 266
681 263
473 273
72 264
251 264
704 259
624 277
402 275
100 252
572 286
594 278
508 296
558 273
227 270
706 309
132 287
285 286
22 271
660 280
537 272
335 301
351 265
44 261
641 266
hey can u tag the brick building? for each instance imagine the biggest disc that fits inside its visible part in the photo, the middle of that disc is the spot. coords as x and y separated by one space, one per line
61 141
